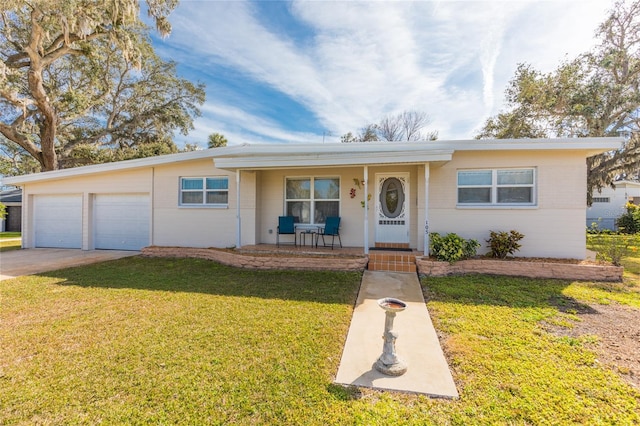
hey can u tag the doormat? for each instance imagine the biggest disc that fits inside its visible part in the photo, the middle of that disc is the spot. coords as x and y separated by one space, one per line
389 249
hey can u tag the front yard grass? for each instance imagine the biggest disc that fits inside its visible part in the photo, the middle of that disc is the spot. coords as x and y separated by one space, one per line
8 241
9 235
188 341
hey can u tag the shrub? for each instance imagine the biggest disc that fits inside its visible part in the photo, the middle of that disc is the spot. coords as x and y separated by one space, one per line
613 249
595 229
503 244
629 222
452 247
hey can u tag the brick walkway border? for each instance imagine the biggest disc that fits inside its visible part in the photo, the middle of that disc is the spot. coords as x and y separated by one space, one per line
264 261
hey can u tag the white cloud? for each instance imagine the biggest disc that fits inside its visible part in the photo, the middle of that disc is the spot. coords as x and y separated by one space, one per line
240 127
368 59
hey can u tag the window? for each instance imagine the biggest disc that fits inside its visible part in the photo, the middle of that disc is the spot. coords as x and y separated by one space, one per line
496 187
601 199
204 191
311 200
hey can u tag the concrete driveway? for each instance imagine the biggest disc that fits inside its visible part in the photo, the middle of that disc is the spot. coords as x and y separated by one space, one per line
15 263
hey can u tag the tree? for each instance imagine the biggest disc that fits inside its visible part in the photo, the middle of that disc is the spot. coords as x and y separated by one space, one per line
77 78
407 125
596 94
366 134
190 147
217 140
14 160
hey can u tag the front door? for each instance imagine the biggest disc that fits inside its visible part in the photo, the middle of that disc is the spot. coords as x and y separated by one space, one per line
392 208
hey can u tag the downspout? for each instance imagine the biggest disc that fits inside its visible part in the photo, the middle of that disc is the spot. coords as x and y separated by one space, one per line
426 209
153 205
238 221
366 210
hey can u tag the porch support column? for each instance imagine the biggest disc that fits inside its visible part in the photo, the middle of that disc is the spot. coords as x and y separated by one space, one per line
238 220
366 210
426 209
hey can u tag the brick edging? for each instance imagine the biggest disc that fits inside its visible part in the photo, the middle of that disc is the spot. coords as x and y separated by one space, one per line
564 271
259 262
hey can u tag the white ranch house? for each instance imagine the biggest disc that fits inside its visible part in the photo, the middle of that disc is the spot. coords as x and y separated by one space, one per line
233 196
609 203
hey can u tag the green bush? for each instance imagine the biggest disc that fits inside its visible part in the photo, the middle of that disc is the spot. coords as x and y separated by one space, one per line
503 243
452 247
595 229
612 248
629 222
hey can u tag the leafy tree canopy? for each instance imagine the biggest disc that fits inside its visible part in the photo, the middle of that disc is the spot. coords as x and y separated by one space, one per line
406 126
595 94
217 140
80 82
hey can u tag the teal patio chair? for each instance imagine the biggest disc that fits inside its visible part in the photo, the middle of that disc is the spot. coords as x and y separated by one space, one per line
286 226
331 229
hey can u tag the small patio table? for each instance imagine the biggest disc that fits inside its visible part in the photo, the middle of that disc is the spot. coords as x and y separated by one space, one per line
313 232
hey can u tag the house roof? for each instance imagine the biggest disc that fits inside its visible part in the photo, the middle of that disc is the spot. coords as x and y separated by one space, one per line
11 196
625 183
269 156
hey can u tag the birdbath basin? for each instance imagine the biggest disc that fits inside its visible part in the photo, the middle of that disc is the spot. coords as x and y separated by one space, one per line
389 304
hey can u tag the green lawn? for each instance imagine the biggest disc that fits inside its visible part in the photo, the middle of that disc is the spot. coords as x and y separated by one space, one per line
165 341
12 244
4 235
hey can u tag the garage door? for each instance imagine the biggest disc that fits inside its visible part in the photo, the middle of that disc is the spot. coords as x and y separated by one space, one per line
121 221
58 221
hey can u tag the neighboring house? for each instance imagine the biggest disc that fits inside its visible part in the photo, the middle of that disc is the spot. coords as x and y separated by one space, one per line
232 196
12 199
609 204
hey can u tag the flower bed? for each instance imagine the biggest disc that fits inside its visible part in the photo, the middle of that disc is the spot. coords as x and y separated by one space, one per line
566 269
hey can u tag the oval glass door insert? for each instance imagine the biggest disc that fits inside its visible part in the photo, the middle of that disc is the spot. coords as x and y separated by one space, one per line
392 197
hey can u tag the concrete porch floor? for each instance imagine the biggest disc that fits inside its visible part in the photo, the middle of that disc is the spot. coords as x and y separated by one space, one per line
418 345
311 249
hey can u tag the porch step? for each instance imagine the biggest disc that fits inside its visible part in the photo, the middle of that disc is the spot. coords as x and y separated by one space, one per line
393 261
392 246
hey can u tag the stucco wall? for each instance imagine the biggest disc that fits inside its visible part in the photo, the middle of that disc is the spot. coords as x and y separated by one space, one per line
176 225
552 228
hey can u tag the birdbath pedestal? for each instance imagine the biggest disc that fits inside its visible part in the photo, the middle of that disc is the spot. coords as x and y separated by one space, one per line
389 363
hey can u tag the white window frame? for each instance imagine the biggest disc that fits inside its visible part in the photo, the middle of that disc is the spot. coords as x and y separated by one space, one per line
312 200
204 191
494 186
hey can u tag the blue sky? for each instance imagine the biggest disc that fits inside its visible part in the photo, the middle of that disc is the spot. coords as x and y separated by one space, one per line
310 71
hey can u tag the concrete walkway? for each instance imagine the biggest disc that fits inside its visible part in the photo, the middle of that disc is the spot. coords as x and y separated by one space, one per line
417 343
15 263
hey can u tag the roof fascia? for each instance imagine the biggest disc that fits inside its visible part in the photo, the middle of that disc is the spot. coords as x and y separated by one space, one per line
121 165
275 161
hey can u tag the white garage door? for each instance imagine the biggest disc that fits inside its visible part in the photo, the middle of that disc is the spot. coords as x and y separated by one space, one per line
121 221
58 221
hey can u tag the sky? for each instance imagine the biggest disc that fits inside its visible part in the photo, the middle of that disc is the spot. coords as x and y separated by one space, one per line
311 71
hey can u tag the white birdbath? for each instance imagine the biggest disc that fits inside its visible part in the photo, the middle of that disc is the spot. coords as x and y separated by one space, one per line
389 363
